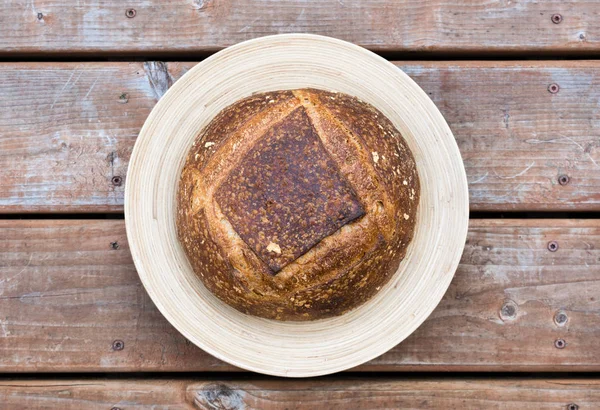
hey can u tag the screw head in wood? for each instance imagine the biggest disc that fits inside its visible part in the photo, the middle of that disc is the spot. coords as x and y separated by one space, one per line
563 179
508 310
560 343
553 88
118 345
552 246
124 98
130 13
40 16
114 245
115 408
572 406
117 180
561 318
556 18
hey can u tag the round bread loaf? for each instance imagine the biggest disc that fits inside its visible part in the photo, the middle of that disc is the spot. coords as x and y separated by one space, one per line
297 205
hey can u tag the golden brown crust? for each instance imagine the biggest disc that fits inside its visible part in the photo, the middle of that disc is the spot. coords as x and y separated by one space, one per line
297 205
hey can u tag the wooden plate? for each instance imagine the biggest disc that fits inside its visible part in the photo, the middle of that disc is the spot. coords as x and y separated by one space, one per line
289 348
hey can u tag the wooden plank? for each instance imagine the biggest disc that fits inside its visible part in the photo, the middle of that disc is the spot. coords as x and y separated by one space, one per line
58 26
357 393
516 138
66 296
94 394
66 129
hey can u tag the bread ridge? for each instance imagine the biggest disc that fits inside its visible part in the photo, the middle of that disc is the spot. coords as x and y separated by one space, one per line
317 284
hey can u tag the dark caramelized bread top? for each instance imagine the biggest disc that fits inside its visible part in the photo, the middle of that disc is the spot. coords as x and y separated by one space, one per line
287 194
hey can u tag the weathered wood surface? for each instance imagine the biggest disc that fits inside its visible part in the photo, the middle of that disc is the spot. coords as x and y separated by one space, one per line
429 393
66 129
66 296
160 26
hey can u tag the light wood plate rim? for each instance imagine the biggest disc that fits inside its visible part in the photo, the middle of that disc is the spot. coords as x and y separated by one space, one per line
289 348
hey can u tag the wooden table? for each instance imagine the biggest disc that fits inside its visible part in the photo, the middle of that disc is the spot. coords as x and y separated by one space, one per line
515 79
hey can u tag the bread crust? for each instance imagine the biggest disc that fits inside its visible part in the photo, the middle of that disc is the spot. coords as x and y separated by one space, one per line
297 205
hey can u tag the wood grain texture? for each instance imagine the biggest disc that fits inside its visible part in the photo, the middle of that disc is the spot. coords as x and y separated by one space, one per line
435 393
381 25
91 394
67 128
66 296
422 393
517 138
